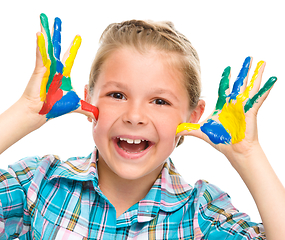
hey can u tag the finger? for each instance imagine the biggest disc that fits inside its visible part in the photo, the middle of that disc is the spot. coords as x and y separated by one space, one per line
89 110
210 131
187 126
190 129
46 31
45 26
72 54
66 82
45 61
257 83
223 90
260 97
56 41
254 82
240 79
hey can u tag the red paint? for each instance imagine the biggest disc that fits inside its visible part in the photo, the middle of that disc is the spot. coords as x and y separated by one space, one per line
89 108
53 95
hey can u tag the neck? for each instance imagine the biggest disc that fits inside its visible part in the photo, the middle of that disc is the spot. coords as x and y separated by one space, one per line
123 193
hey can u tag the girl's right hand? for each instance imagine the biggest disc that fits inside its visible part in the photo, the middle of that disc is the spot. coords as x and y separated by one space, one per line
49 93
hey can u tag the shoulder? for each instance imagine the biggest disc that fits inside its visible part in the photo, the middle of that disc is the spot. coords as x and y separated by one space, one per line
209 200
208 193
38 169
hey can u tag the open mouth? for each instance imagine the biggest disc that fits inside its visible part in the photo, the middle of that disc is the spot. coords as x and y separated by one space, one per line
133 145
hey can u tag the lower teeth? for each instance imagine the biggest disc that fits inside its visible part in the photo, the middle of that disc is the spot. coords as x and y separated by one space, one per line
131 152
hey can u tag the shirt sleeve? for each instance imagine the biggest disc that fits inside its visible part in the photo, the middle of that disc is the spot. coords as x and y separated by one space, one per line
14 183
216 217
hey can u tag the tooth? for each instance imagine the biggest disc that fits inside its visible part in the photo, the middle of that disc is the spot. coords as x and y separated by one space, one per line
130 141
137 141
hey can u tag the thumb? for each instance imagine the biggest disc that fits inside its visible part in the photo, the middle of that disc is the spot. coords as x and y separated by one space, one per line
188 129
88 110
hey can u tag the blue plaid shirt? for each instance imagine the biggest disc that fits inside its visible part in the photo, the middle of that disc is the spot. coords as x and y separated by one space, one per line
50 199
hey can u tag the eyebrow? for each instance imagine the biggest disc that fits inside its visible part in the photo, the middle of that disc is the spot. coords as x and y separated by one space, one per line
115 84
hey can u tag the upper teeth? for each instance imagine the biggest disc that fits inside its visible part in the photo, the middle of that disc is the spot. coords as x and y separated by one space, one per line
131 141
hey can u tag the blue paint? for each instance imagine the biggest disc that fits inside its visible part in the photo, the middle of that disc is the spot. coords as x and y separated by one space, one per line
56 42
56 39
216 132
66 104
240 79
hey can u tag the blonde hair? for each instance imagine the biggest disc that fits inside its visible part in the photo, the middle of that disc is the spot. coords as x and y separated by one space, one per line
143 35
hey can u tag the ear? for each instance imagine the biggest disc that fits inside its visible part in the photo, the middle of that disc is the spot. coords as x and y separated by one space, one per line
192 123
197 113
87 98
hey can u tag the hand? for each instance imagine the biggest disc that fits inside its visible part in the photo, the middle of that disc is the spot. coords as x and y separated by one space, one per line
232 126
56 90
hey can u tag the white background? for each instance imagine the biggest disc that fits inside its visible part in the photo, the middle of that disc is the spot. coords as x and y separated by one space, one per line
223 32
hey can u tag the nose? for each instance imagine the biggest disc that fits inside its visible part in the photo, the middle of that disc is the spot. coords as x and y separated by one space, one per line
135 114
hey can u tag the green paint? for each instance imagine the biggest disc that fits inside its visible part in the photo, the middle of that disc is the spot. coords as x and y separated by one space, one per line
66 84
224 85
250 102
44 22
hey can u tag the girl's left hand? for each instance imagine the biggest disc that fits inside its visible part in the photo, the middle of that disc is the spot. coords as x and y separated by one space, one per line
232 127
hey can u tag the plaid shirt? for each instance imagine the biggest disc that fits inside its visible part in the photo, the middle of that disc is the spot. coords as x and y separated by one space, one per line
49 199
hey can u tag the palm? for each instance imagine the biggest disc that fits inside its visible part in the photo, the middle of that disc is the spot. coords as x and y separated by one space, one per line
56 90
233 121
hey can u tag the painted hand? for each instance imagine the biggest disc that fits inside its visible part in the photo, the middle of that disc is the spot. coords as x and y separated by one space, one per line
234 118
56 90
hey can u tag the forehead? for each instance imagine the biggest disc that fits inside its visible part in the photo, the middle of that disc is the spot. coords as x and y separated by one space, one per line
158 66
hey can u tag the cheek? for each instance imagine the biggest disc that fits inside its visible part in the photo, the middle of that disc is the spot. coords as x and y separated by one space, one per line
102 126
166 128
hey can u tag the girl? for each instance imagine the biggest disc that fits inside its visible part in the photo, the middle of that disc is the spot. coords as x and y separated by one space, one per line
145 80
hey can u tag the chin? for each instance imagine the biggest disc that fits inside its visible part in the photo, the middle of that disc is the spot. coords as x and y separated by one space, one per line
131 172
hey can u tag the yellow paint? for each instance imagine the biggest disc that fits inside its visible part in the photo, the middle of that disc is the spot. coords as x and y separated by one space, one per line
187 126
233 119
47 63
232 115
245 95
70 60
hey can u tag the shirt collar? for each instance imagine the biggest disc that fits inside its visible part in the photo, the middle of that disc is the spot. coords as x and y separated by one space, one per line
169 192
78 168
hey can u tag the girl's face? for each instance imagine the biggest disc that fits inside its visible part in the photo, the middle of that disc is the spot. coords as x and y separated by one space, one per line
141 101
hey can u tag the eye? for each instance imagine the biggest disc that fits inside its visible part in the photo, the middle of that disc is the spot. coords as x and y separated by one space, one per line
160 102
117 95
